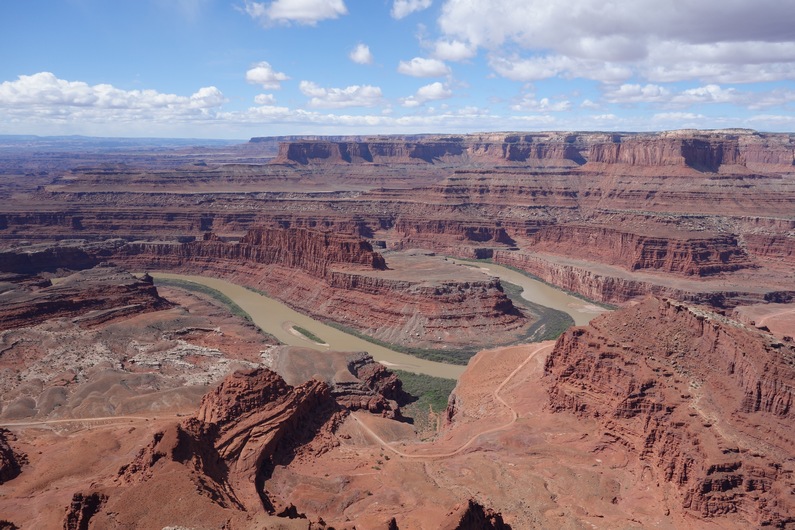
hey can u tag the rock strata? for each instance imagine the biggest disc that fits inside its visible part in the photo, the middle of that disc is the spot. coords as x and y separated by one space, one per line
252 422
704 400
95 295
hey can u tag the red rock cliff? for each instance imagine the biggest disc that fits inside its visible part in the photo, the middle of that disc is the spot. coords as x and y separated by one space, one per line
691 254
704 400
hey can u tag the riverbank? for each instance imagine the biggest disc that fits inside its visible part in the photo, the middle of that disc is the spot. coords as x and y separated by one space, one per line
271 316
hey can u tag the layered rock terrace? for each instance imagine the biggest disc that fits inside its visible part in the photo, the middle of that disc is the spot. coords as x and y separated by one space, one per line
704 400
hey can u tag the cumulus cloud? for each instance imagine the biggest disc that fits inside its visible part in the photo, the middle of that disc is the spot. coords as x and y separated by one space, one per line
361 54
403 8
720 37
264 99
44 90
453 50
542 67
308 12
677 116
264 74
432 92
45 104
636 93
707 94
337 98
530 103
421 67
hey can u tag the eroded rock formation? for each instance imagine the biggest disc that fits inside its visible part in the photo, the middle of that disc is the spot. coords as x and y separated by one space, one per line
252 422
706 401
82 509
712 205
10 460
95 295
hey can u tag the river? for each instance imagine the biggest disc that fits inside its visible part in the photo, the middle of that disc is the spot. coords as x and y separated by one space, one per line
540 293
278 319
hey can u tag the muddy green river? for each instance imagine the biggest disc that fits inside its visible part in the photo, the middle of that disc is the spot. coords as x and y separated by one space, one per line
279 320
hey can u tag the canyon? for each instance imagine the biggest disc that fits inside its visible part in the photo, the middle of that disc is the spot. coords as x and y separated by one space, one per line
671 410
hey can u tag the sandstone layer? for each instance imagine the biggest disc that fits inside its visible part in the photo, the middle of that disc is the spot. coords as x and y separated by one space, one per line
712 206
704 400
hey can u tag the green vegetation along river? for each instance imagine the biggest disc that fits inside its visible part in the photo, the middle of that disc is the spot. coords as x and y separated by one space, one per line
289 326
279 320
540 293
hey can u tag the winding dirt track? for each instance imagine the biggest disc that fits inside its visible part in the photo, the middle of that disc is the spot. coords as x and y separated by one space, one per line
764 319
514 414
102 420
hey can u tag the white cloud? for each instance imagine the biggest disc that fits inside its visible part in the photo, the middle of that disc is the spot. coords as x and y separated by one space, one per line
420 67
45 104
707 94
403 8
361 54
337 98
263 74
774 120
453 50
44 90
546 66
635 93
677 116
529 103
264 99
716 41
308 12
434 91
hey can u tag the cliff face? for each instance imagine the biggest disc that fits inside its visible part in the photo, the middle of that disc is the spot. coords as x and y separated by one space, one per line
703 154
10 460
693 149
308 250
705 401
691 254
96 295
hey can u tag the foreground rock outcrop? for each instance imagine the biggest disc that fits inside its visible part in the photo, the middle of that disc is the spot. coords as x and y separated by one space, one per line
251 423
10 460
474 516
704 400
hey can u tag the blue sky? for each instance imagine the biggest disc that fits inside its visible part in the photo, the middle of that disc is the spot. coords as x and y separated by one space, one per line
242 68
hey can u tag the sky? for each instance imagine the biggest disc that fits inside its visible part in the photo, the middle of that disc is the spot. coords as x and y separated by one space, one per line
241 68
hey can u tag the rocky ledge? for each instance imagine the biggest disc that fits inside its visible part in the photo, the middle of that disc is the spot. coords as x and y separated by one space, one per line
221 458
95 295
710 151
705 401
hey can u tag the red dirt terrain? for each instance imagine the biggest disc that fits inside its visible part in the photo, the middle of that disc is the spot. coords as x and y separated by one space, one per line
603 428
123 405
